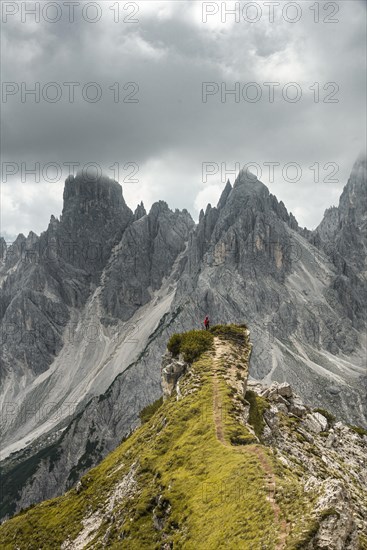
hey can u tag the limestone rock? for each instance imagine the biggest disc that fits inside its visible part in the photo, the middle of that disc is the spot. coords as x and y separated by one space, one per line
282 408
145 255
271 418
337 528
170 375
139 211
285 390
315 422
297 407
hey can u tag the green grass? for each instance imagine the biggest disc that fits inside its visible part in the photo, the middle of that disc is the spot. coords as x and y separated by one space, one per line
191 344
174 344
234 432
148 411
358 430
257 408
215 494
234 333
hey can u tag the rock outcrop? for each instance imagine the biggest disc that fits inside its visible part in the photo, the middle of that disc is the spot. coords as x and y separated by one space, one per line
140 212
171 371
330 459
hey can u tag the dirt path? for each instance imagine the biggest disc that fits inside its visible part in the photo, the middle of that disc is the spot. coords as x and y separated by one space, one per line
271 487
217 410
220 350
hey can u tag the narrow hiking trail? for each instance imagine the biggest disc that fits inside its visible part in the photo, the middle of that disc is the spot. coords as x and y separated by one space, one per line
220 350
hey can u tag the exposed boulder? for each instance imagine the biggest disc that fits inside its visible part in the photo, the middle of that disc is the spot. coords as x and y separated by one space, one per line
297 407
285 390
315 422
172 369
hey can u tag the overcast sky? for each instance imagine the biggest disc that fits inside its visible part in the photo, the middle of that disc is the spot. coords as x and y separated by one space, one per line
170 131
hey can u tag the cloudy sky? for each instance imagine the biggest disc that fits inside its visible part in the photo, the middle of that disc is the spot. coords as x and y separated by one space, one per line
160 108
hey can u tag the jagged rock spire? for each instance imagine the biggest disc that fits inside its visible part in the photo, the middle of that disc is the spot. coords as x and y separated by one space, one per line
225 194
139 211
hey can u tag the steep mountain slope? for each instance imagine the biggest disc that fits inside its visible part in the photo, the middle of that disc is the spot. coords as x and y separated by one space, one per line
345 226
143 259
246 261
342 234
46 280
60 346
45 277
216 465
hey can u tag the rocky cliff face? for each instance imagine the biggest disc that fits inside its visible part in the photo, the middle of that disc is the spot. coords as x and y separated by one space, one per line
93 220
143 258
107 323
84 297
342 235
43 277
330 459
351 213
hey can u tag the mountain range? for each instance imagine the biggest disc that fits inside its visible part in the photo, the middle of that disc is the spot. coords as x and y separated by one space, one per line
86 309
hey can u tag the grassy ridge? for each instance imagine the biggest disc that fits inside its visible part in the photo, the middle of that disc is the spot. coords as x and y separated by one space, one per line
179 486
201 493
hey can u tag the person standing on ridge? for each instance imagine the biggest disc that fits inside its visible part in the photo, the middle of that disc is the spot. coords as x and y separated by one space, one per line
206 323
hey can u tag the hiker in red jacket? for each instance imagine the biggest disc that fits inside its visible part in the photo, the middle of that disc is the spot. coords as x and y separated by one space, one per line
206 323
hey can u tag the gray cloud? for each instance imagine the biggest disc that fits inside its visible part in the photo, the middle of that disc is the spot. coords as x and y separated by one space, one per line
171 132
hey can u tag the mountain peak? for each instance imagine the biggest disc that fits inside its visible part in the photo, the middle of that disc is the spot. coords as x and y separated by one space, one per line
92 202
93 218
83 193
361 160
251 181
352 206
354 195
158 208
225 194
